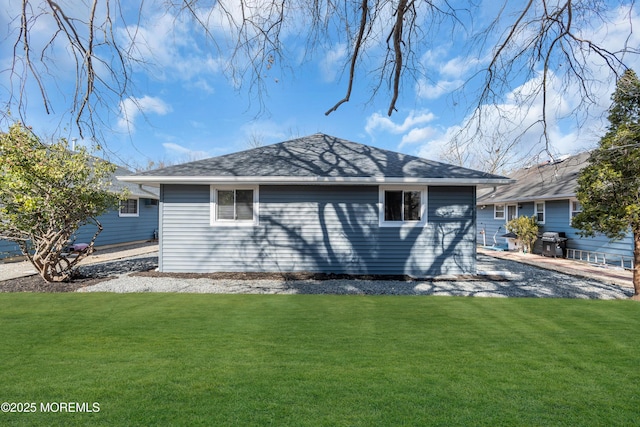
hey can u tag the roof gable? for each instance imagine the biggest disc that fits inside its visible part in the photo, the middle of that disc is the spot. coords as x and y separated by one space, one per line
317 158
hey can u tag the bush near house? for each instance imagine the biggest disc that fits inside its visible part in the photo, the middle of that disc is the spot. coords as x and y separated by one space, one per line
48 192
526 228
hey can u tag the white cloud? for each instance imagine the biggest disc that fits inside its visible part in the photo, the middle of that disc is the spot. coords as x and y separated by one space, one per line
172 46
418 135
131 107
512 132
383 123
412 128
425 90
183 153
332 61
517 118
459 66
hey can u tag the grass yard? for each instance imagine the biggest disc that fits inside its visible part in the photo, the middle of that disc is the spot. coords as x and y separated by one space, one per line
171 359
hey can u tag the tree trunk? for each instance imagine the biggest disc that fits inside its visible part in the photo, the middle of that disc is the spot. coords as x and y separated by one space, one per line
636 264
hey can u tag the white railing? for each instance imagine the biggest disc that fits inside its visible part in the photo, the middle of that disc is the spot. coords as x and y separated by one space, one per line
600 258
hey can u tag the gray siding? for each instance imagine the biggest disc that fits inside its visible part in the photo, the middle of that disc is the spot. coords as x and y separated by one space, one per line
319 229
116 229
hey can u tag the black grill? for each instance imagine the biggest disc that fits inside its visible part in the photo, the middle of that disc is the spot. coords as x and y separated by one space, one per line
554 244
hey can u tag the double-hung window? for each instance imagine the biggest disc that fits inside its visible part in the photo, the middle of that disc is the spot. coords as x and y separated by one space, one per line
574 208
234 206
539 208
400 206
128 207
498 212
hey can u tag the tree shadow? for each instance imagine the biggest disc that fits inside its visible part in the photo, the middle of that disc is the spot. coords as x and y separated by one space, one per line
335 228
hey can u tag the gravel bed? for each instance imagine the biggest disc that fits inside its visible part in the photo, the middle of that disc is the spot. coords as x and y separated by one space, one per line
503 278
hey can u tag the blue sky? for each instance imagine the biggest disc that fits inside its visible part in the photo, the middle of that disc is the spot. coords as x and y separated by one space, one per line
182 107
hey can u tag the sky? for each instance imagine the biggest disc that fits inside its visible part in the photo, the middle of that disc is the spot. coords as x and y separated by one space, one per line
181 106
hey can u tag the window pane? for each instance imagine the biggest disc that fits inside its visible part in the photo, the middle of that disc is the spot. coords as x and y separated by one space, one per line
244 205
225 204
412 206
576 208
393 205
129 206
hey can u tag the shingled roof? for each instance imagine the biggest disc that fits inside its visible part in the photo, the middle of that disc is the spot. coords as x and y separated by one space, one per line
546 181
316 158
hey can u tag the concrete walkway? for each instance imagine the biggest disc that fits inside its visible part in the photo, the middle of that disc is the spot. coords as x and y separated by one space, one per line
609 275
13 270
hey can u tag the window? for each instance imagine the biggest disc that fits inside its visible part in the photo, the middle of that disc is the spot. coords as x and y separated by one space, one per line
498 211
538 211
401 206
129 207
574 208
234 206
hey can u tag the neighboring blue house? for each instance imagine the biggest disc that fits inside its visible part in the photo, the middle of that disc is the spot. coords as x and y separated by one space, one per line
548 192
318 204
135 221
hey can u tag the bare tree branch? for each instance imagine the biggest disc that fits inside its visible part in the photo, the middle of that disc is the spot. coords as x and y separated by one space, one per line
354 56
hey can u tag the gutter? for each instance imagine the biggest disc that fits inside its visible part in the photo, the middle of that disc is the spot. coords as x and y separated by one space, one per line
309 180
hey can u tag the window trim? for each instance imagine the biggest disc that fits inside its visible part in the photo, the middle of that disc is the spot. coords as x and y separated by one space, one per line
213 206
504 211
544 211
516 212
571 211
127 214
424 191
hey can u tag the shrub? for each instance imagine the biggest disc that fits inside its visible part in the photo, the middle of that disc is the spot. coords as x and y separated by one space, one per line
526 228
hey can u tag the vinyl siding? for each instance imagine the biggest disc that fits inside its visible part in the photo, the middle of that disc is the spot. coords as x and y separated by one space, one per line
116 229
320 229
557 218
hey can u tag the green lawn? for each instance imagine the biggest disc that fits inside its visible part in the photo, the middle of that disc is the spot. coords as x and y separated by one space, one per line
171 359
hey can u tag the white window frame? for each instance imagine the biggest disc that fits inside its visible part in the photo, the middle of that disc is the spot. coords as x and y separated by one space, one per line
573 212
503 211
423 206
213 206
536 211
128 214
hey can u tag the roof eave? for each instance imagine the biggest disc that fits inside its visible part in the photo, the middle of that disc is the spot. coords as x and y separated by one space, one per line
311 180
543 197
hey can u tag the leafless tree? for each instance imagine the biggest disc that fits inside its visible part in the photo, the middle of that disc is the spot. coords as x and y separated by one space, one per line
385 42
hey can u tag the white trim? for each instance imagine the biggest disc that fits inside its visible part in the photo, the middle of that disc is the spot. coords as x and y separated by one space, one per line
571 211
213 194
536 212
129 215
504 211
305 180
424 192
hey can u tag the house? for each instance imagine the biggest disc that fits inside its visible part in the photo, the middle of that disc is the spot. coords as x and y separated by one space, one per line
135 221
318 204
548 192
